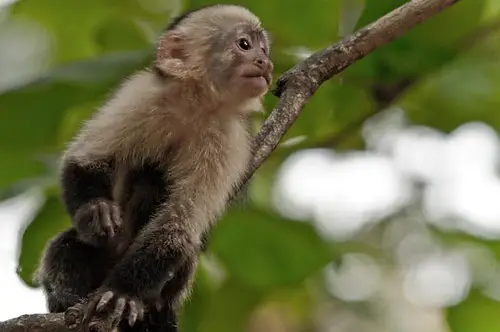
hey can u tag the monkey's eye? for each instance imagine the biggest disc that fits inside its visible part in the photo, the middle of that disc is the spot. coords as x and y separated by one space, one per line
244 44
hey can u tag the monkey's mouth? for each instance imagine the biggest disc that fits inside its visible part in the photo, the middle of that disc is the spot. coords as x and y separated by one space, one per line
265 77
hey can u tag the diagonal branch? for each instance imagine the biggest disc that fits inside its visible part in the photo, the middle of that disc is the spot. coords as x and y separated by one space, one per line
294 88
298 84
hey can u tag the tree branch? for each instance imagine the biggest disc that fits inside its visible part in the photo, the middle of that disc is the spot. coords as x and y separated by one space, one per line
35 323
298 84
294 88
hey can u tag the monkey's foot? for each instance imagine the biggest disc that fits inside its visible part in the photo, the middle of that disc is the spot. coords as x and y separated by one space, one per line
73 315
120 307
98 221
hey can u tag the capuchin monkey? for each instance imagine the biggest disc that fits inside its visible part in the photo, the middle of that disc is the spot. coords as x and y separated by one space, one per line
147 177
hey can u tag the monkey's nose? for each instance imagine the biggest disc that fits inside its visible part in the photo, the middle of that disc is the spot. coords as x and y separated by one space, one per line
262 63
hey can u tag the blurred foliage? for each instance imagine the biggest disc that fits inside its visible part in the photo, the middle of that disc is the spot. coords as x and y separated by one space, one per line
444 72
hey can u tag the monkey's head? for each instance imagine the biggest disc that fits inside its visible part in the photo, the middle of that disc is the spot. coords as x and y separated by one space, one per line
222 47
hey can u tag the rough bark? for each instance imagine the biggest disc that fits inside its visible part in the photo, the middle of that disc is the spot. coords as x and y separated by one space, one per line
35 323
294 88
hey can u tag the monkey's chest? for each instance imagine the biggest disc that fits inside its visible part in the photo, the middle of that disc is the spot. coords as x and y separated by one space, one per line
198 170
216 169
211 174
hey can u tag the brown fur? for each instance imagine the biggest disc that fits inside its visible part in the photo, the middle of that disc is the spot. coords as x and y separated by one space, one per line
215 142
187 120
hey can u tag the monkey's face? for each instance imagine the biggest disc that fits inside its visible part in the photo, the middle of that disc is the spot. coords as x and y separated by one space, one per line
254 68
231 56
242 66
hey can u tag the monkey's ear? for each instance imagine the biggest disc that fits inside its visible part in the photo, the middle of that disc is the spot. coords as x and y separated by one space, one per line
171 46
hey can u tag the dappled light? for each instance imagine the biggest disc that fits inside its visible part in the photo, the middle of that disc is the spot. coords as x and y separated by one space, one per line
344 191
358 278
341 193
439 280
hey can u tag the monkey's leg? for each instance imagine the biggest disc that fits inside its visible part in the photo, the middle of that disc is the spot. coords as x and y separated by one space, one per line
144 190
164 318
166 243
70 270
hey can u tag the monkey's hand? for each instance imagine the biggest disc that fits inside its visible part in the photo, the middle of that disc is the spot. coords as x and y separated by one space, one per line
97 221
115 307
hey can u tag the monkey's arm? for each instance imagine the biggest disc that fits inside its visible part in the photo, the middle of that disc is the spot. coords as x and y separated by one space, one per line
150 262
87 194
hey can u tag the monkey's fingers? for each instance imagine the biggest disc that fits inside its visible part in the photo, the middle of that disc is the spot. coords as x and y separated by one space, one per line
105 218
117 314
140 313
136 312
132 316
116 215
90 310
73 315
106 297
95 216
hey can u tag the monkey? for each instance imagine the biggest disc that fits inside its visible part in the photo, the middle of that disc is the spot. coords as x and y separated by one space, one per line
149 174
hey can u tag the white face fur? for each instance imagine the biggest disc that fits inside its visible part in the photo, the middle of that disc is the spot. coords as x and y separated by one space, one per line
224 45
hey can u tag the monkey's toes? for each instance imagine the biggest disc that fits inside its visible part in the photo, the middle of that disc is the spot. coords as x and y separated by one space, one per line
116 215
109 217
73 316
131 310
98 221
136 312
122 307
103 302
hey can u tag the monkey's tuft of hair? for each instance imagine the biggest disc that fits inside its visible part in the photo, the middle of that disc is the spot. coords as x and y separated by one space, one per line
150 173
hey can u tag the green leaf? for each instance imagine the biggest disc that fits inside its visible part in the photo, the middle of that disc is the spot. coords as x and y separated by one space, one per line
263 250
476 314
50 220
463 91
77 28
334 106
229 309
210 308
457 238
260 189
492 10
31 116
291 25
198 303
119 34
419 51
17 167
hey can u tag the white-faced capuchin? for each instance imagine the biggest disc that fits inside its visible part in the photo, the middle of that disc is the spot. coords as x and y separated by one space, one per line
150 173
